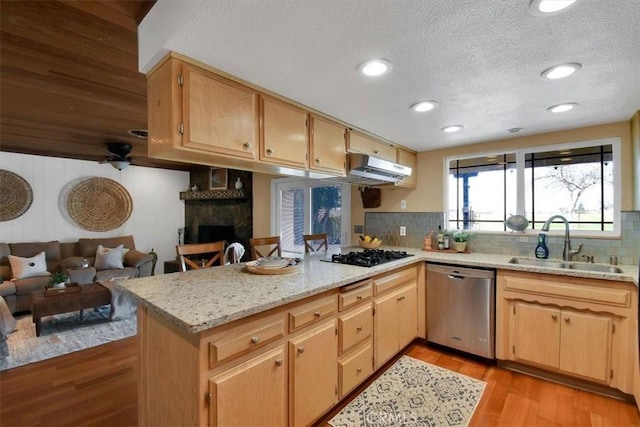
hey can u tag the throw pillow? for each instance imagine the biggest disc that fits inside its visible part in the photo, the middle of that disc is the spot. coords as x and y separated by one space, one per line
24 268
109 258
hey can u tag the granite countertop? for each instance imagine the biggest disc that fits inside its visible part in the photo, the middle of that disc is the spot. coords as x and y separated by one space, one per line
202 299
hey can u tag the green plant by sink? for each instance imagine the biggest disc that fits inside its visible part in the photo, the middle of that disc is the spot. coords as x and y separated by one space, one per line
461 236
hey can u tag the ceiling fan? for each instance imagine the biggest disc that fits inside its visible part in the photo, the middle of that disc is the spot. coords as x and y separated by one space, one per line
120 151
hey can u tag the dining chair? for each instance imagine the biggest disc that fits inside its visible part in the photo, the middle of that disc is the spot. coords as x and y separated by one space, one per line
315 242
265 241
214 250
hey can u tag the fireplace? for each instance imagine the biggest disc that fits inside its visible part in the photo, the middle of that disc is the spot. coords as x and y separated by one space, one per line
215 233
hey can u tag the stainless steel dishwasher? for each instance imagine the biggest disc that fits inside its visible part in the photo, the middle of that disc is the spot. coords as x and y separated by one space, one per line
461 308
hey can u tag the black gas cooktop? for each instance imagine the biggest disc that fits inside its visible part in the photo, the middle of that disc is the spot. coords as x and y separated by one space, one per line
368 257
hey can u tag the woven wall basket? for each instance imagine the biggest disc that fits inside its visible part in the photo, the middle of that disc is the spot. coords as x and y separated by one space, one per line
99 204
15 195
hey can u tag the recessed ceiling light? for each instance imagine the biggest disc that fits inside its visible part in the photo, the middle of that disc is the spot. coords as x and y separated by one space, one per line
514 130
560 71
375 67
424 106
549 7
452 128
561 108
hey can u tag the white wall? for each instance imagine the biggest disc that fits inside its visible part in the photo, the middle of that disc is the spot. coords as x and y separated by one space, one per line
157 211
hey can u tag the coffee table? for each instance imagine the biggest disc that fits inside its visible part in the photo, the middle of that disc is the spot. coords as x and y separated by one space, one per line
90 296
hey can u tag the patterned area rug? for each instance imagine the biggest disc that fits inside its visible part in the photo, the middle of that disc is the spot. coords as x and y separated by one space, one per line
61 334
414 393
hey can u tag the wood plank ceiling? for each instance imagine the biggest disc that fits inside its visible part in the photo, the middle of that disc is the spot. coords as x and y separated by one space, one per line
69 79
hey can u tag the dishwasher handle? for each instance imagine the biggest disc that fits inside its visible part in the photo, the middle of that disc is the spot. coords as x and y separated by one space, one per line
455 277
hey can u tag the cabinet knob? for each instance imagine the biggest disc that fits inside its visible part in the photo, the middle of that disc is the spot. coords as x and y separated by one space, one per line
317 314
359 297
301 349
359 329
554 316
269 151
358 370
400 298
567 319
255 340
375 151
317 160
246 145
278 362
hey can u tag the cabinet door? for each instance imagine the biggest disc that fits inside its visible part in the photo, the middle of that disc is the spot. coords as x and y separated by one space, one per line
354 327
578 329
408 158
252 393
283 133
537 338
314 373
407 315
219 117
327 147
359 143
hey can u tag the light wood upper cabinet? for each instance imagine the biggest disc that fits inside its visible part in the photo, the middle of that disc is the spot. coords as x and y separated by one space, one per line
360 143
283 133
252 393
218 116
314 373
327 148
408 158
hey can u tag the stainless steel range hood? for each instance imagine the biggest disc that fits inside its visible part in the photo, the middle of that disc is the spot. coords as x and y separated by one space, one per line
370 171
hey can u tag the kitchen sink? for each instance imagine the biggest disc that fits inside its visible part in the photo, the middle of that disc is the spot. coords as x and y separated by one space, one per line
552 263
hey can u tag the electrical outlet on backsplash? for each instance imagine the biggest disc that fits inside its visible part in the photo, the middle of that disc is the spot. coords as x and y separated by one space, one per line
418 224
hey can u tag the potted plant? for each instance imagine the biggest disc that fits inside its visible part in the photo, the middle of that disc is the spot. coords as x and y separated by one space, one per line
460 239
57 280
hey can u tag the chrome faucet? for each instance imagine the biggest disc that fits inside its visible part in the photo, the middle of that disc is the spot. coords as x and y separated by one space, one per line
567 253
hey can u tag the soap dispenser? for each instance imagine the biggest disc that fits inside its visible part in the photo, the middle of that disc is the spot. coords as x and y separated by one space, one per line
542 251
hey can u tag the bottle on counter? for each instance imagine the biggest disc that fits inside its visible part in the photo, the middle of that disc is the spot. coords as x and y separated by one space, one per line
440 238
542 251
447 240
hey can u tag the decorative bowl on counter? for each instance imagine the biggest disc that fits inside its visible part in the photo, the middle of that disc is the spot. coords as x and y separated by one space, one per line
373 244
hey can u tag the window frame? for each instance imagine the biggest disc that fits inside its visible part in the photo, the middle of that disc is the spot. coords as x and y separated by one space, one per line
520 154
276 207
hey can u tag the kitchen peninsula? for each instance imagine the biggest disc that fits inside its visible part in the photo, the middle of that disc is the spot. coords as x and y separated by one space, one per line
301 342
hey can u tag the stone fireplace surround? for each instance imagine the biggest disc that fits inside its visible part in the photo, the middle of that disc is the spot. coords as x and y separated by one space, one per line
235 212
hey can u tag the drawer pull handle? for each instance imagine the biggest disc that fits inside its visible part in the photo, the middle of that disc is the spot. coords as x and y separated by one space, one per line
246 145
317 314
359 297
359 328
255 340
567 319
401 298
278 362
554 316
375 151
269 151
301 349
317 160
359 370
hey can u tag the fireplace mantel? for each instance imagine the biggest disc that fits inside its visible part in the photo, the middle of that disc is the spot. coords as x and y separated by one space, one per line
213 194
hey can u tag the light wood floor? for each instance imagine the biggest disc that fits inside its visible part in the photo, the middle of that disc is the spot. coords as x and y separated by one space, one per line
97 387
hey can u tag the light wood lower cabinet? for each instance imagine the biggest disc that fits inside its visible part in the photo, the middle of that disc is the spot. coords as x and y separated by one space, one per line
313 373
252 393
395 322
554 338
579 327
355 368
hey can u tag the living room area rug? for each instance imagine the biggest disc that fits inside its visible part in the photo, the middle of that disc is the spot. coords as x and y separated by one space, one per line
414 393
61 334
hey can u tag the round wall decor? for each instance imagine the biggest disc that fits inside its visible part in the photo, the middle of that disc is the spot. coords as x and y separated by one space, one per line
15 195
99 204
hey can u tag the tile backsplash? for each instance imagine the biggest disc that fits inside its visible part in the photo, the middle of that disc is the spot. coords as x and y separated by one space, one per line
387 227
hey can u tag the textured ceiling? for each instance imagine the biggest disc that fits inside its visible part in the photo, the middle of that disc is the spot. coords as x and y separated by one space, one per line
480 59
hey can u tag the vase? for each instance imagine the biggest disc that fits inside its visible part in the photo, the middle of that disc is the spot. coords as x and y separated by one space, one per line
58 285
239 184
459 246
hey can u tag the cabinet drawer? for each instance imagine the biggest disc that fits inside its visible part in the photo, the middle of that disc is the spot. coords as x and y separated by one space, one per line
355 327
354 369
244 339
363 144
354 294
394 279
312 312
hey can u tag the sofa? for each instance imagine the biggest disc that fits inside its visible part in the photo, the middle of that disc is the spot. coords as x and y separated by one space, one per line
76 259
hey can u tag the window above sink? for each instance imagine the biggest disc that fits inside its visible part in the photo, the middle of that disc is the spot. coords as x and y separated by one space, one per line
580 180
